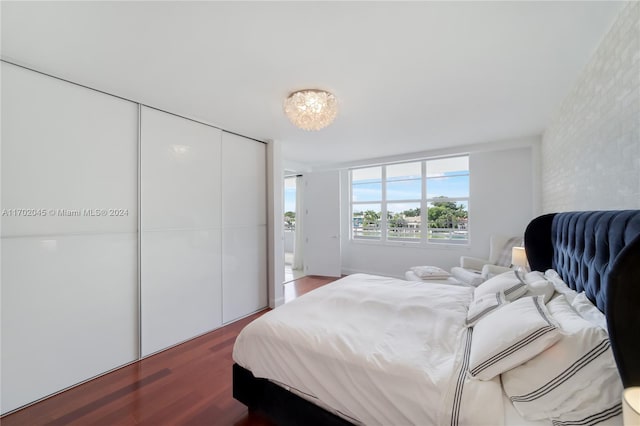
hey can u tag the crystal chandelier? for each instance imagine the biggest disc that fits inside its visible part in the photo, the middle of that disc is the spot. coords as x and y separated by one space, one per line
311 109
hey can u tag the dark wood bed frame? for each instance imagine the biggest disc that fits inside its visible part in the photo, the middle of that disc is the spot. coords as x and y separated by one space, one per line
597 252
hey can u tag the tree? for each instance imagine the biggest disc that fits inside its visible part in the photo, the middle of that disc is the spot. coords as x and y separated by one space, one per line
290 220
446 214
412 212
370 218
396 221
451 205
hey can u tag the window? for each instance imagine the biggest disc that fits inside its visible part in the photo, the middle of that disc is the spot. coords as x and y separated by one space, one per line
404 195
418 202
366 194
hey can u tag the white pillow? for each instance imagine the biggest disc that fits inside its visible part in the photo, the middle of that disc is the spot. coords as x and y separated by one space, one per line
533 276
478 308
467 276
560 286
576 376
430 272
537 285
589 311
511 335
541 288
508 283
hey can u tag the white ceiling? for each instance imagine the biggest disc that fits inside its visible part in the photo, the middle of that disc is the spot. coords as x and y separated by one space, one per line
410 76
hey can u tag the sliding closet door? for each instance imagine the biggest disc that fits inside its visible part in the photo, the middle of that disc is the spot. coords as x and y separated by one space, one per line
244 219
69 235
180 222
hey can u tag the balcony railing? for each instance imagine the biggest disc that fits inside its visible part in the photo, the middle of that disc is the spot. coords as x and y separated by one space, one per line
450 235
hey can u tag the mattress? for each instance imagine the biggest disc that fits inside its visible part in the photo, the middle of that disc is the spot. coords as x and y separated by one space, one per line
375 350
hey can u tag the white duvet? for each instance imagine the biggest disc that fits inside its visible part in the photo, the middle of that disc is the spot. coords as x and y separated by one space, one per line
376 350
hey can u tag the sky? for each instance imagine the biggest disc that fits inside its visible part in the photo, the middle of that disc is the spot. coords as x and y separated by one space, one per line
445 178
290 194
409 189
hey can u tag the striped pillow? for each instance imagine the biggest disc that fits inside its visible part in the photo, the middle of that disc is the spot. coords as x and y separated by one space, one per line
488 303
511 335
430 272
508 283
574 380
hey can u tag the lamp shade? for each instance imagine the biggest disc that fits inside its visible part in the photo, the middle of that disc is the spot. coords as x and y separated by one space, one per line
519 257
311 109
631 406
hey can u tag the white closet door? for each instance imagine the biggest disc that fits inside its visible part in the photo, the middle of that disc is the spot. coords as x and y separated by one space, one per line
244 218
69 264
180 222
244 270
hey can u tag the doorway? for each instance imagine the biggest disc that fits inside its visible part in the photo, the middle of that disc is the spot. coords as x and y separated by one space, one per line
293 265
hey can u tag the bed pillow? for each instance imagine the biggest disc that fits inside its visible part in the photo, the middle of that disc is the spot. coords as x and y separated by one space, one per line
589 311
537 285
560 286
511 335
430 272
573 379
508 283
534 276
486 304
542 288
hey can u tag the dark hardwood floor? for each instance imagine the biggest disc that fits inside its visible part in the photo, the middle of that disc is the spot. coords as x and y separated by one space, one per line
304 285
189 384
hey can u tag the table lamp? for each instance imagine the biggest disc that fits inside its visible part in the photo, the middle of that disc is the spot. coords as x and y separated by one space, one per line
631 406
519 259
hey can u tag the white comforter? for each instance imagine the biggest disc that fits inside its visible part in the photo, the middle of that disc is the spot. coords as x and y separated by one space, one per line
376 350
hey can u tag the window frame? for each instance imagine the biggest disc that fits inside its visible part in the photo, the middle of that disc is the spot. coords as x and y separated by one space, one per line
423 240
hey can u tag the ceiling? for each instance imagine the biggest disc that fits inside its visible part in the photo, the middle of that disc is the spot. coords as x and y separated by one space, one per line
409 76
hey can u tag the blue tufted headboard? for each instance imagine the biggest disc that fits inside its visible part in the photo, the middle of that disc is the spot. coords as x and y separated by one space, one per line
597 252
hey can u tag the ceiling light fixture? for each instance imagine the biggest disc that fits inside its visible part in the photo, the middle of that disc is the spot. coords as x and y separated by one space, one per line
311 109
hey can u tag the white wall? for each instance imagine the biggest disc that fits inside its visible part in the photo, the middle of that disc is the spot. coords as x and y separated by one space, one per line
275 226
591 150
504 197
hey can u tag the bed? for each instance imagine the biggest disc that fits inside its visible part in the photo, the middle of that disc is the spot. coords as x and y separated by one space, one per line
375 350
